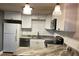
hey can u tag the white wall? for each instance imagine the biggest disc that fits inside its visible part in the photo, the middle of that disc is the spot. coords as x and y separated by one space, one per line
77 24
1 17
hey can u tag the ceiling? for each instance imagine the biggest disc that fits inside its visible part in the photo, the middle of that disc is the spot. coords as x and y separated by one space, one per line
38 8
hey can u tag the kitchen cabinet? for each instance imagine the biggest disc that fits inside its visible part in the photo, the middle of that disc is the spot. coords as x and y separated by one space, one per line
67 21
48 24
26 22
12 15
11 39
42 17
37 43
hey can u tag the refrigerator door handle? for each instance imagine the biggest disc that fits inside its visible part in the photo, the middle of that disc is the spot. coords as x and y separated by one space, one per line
16 35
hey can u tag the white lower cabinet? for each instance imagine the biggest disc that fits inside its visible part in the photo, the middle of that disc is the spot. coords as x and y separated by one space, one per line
37 43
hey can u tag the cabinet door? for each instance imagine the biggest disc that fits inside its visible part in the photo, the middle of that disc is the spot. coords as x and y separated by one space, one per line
12 15
60 19
48 22
26 21
60 24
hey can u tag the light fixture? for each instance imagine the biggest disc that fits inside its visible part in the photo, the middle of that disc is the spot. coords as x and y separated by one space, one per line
27 9
57 10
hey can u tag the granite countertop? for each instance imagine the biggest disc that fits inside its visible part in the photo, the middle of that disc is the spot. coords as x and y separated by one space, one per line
34 36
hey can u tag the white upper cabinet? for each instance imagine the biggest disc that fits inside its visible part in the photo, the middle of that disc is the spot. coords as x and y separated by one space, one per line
26 21
48 22
12 15
67 21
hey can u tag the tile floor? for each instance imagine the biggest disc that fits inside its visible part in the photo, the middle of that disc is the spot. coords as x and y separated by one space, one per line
51 50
